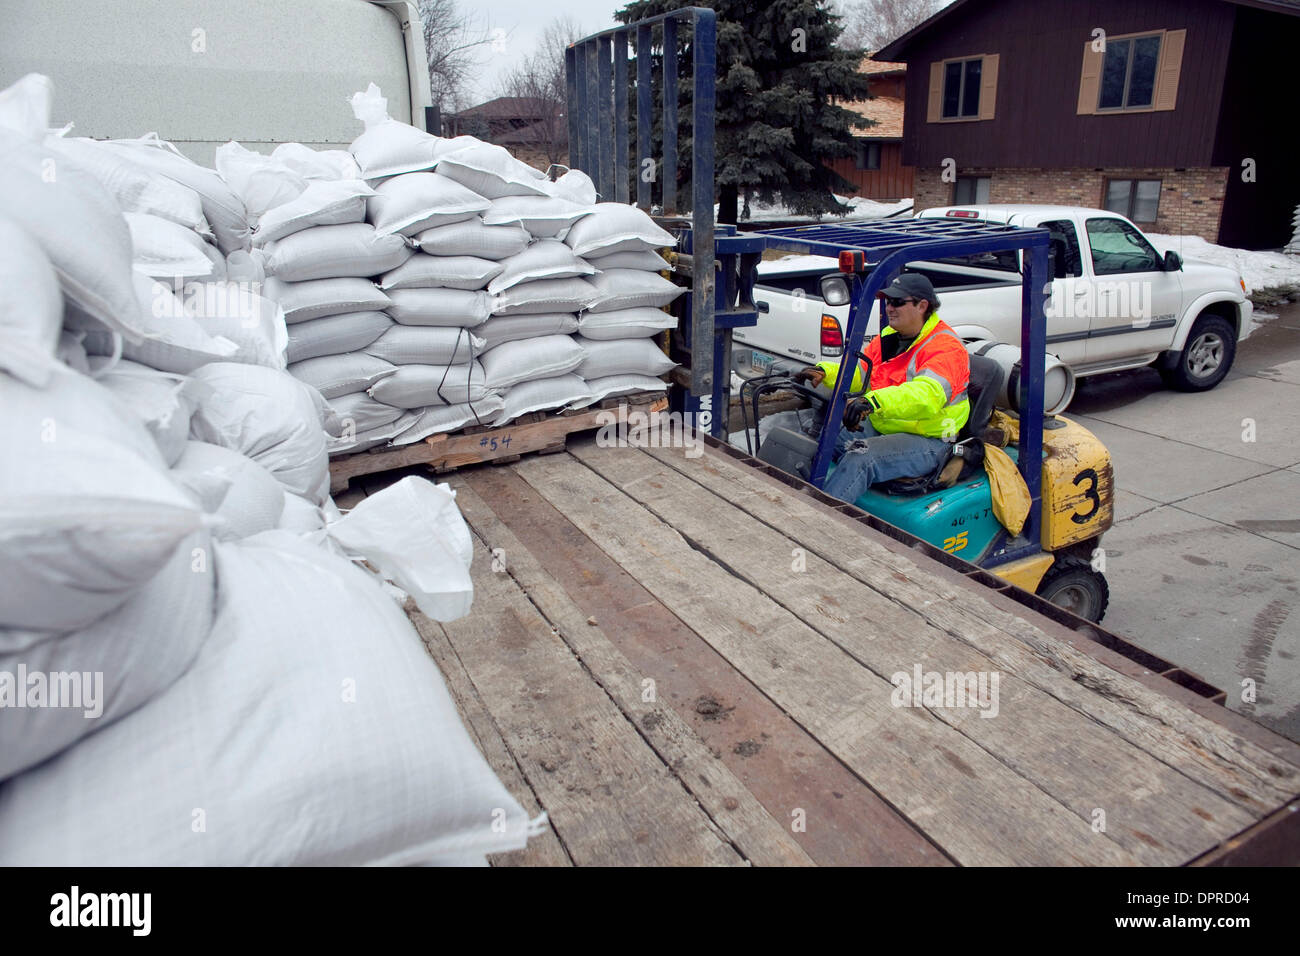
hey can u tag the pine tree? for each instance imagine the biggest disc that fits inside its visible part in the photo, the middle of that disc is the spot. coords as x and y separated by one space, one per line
780 76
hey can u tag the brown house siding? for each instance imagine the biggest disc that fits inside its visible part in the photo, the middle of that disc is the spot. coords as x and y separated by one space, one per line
1040 45
1191 200
891 182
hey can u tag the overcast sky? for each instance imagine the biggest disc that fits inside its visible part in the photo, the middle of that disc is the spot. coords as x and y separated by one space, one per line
523 22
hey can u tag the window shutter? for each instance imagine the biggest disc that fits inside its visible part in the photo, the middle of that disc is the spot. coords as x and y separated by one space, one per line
1090 80
989 87
935 111
1171 62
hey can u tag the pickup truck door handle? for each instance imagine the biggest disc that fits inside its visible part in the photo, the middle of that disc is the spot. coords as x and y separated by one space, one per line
763 306
1080 290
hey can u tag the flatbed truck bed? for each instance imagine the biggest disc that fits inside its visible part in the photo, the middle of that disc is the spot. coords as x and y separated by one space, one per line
685 661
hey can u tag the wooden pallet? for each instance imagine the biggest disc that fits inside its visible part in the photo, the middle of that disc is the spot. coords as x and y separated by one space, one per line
542 432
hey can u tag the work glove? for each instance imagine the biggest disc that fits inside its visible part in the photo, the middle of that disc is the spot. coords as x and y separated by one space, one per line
812 376
856 409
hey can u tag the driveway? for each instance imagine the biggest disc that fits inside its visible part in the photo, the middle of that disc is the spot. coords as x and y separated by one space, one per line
1204 558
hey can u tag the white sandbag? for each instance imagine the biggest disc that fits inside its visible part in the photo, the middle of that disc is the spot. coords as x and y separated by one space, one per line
542 357
221 207
312 729
353 249
426 345
317 164
437 419
349 443
541 395
301 517
261 182
322 203
335 375
134 187
71 353
625 323
88 512
360 413
31 306
243 496
269 416
25 106
511 328
491 172
612 386
544 259
545 295
422 271
413 533
236 312
575 186
414 202
640 259
622 357
335 334
615 227
388 147
310 300
632 288
99 674
158 399
446 307
415 386
471 237
542 216
163 249
174 342
77 225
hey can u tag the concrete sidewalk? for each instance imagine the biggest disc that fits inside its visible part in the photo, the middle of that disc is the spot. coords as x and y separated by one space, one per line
1204 558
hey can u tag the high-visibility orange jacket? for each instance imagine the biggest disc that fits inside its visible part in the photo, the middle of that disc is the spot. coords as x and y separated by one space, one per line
922 390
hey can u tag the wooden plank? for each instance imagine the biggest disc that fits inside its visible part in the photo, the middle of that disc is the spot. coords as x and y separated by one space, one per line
447 452
973 806
733 808
542 850
1151 810
1200 748
610 798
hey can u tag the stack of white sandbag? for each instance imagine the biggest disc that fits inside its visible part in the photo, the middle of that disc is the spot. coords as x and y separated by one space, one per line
182 677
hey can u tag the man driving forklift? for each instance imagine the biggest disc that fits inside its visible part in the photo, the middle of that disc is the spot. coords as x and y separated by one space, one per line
916 403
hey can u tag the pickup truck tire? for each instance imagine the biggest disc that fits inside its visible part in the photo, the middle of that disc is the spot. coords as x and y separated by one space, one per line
1207 356
1072 585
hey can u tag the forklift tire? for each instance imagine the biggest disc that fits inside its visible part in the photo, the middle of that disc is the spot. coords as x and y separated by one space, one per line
1072 585
1206 358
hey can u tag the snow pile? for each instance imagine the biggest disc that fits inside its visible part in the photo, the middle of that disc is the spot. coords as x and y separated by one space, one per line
861 209
1262 271
179 627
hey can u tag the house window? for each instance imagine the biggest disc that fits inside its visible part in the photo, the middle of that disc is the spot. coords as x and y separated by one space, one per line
1128 73
961 89
971 190
868 156
1135 199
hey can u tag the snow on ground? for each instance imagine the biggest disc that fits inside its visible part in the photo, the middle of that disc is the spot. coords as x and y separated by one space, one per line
859 209
1261 270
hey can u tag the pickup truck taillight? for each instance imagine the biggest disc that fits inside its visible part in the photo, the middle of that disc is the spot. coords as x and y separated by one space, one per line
832 336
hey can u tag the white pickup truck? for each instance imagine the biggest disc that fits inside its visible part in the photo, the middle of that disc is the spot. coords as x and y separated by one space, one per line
1115 303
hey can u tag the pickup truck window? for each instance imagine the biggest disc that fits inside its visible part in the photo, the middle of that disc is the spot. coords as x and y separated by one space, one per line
1118 247
1066 261
809 284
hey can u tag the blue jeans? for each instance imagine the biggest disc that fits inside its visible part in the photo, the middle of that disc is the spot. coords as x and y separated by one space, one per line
879 458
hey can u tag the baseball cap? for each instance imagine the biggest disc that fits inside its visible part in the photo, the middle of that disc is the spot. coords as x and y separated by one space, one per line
910 285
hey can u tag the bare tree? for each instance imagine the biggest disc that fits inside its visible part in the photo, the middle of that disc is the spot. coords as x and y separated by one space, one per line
538 84
453 41
870 24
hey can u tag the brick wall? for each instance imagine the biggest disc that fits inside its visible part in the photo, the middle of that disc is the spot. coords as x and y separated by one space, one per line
1191 200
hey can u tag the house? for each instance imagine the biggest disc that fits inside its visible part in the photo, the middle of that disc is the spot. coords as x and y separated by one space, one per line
877 168
533 129
1166 110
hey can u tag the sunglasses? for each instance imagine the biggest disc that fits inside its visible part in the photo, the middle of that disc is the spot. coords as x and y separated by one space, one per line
898 303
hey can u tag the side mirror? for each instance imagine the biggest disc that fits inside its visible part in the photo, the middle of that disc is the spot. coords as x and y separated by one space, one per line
835 290
1173 262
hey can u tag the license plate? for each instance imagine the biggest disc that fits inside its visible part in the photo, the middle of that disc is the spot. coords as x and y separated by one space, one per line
760 363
